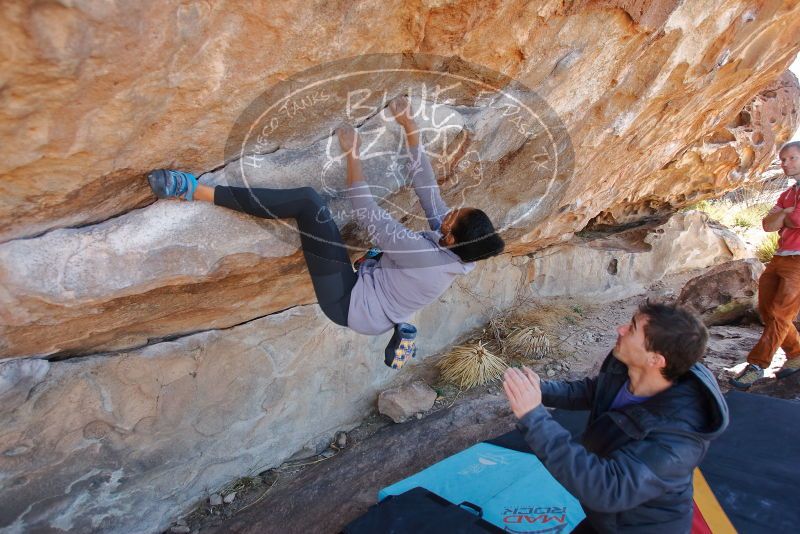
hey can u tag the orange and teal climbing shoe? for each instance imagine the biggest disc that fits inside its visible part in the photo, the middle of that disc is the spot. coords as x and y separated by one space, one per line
372 254
402 347
167 183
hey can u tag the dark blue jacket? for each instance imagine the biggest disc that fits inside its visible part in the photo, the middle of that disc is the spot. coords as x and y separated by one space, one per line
632 470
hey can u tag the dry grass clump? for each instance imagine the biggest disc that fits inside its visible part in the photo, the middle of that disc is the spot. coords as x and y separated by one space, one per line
471 365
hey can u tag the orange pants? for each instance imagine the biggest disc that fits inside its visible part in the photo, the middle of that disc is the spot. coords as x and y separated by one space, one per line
778 304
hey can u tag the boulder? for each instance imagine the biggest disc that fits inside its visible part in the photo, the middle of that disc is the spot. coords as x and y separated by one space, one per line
402 402
723 294
618 265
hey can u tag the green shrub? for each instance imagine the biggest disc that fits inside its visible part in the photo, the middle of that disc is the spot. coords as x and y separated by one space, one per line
766 249
750 216
730 214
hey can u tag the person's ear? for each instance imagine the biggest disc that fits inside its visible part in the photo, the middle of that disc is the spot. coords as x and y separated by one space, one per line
658 360
449 240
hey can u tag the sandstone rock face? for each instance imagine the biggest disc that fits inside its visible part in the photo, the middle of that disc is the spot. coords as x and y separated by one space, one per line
87 444
402 402
723 294
626 263
293 506
166 269
666 103
90 105
150 351
174 268
745 135
170 268
17 378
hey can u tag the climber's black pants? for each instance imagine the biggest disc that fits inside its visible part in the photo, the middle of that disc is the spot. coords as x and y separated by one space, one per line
328 263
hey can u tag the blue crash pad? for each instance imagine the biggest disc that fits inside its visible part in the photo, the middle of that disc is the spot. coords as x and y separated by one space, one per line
513 488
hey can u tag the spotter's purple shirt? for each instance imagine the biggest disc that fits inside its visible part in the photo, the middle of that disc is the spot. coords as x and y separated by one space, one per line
625 397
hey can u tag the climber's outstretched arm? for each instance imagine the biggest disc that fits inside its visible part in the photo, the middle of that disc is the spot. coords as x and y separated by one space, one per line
421 171
350 144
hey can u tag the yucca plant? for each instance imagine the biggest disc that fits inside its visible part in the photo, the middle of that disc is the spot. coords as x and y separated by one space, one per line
530 342
471 365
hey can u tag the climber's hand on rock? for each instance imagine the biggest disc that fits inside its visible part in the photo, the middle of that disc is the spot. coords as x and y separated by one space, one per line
348 139
400 108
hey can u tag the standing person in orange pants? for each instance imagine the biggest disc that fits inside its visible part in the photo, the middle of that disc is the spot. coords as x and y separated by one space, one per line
779 286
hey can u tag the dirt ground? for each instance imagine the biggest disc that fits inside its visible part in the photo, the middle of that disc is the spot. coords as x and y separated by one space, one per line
340 483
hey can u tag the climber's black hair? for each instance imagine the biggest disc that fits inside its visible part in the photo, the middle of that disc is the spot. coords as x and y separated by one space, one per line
475 237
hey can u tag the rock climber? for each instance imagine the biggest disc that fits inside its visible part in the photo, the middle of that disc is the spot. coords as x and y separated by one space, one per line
779 285
653 411
411 269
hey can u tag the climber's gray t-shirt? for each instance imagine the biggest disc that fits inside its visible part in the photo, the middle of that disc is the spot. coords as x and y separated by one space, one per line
414 269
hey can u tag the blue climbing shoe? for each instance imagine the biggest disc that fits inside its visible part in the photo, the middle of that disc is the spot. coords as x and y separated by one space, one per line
167 183
401 347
